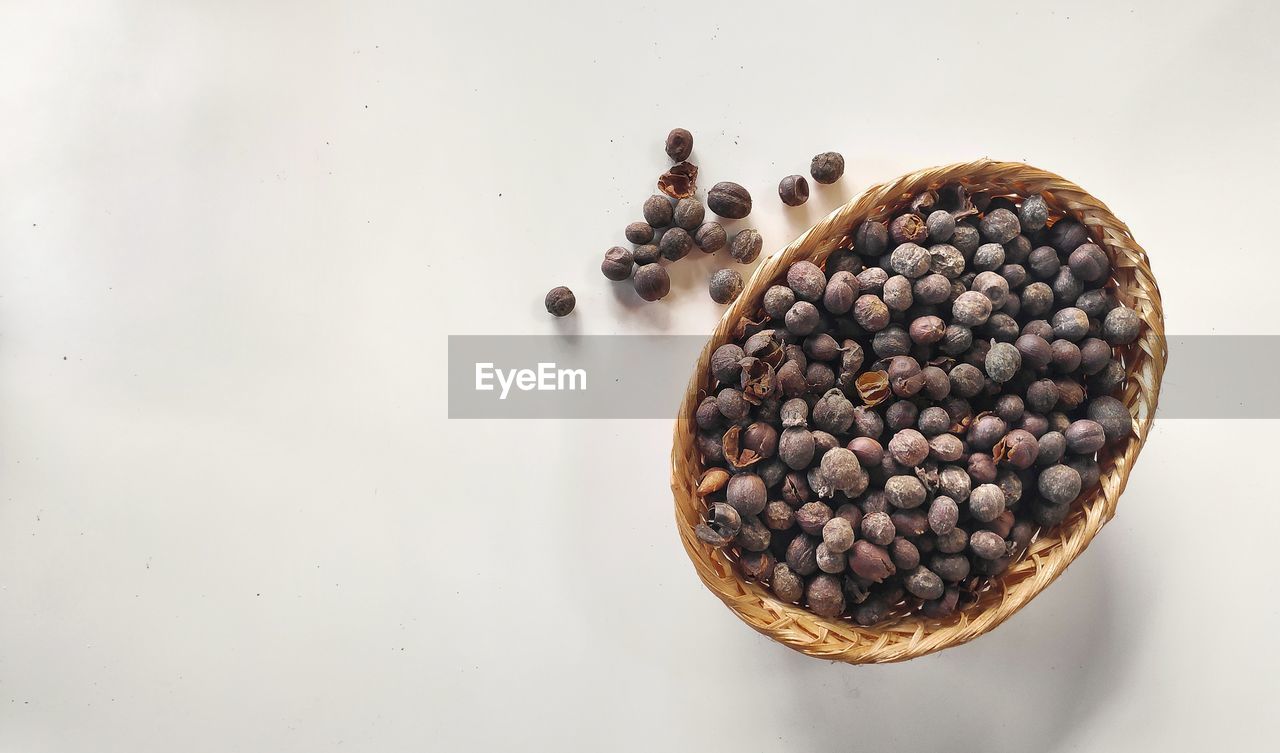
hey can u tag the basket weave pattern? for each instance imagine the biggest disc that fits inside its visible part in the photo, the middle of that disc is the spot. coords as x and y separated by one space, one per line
908 636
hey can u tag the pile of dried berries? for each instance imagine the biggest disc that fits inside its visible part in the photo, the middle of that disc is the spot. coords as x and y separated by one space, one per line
891 432
675 223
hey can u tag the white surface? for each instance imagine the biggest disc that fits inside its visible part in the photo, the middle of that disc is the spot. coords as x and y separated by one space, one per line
233 238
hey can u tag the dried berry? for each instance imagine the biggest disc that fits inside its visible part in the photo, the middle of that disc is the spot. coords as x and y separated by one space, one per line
807 280
869 561
646 254
867 450
1067 235
840 293
999 226
1037 299
675 244
1112 416
1066 286
838 534
688 214
560 301
966 239
827 167
971 309
940 226
830 561
1085 437
778 516
966 380
729 200
786 585
679 144
897 293
825 596
989 256
793 190
812 517
923 583
871 313
877 528
946 447
796 447
1018 448
680 181
745 246
908 447
746 493
871 238
651 282
932 289
710 237
801 555
725 285
986 503
944 513
1033 213
617 263
951 567
1121 326
909 259
833 412
778 299
843 471
1059 484
802 318
753 536
907 228
639 232
726 362
1089 262
905 492
658 211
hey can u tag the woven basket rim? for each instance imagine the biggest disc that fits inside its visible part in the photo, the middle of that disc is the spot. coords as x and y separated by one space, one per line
1048 557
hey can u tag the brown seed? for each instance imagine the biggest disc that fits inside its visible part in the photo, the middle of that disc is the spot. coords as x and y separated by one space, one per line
658 211
825 595
870 562
786 584
827 167
710 237
688 214
907 228
617 264
679 144
560 301
793 190
651 281
725 285
729 200
758 565
639 232
745 246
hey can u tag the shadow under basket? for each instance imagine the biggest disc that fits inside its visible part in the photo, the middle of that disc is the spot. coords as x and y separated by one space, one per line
907 636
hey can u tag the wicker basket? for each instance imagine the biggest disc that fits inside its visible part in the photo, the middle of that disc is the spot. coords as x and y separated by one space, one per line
912 635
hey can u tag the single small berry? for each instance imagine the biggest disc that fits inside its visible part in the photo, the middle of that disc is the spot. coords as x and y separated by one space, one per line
793 190
725 285
560 301
827 167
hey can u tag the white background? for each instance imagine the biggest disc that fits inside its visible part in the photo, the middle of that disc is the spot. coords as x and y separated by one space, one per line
234 237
